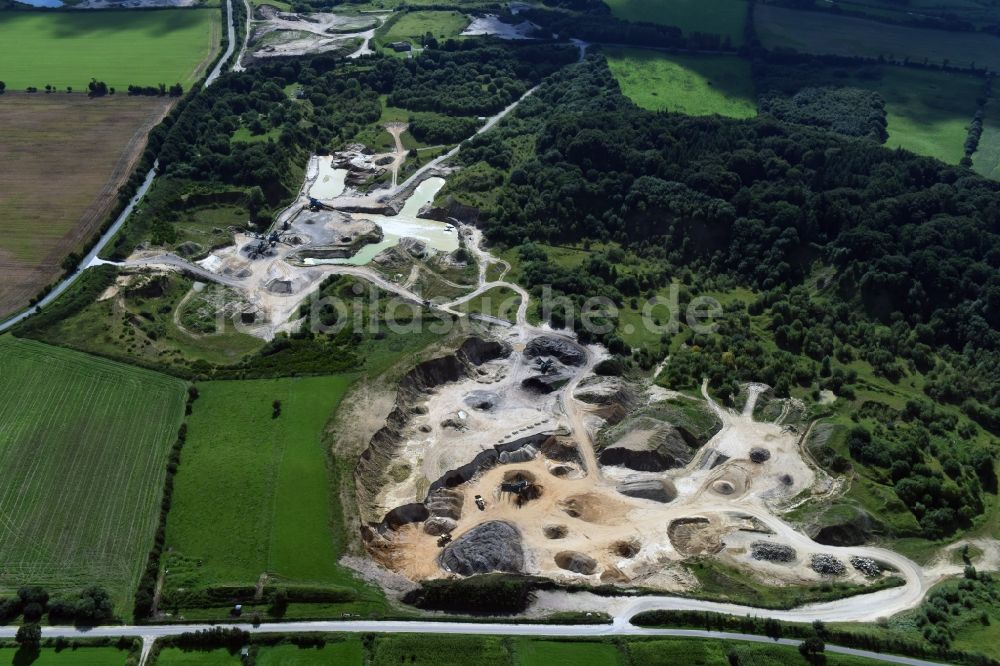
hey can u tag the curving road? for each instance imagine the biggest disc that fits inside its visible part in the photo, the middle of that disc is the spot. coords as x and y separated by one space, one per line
91 256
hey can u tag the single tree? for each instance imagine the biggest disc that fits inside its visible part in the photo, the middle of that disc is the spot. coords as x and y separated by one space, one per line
29 636
812 649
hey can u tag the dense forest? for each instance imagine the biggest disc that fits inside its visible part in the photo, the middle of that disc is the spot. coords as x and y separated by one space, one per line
335 101
912 240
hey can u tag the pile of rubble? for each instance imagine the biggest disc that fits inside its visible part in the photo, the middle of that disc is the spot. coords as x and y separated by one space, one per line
492 546
771 552
866 566
759 455
828 565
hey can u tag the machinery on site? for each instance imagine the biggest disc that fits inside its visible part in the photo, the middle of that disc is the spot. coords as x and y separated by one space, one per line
480 502
315 205
265 243
515 487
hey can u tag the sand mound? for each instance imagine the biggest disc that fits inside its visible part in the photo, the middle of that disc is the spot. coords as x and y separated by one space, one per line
592 509
695 536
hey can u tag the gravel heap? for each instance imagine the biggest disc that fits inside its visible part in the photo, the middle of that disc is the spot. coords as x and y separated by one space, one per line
827 565
560 348
771 552
867 566
492 546
759 455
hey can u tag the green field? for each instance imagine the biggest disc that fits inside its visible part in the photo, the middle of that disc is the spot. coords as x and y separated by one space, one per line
928 111
87 656
117 47
695 85
412 26
564 653
827 33
348 652
253 492
720 17
83 448
390 650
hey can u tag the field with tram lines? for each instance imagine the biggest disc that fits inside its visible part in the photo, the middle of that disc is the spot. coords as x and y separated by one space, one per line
83 446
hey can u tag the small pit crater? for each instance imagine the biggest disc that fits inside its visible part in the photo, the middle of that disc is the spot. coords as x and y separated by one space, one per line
555 531
626 548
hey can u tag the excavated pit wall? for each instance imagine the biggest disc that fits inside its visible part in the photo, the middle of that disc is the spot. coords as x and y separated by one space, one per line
376 460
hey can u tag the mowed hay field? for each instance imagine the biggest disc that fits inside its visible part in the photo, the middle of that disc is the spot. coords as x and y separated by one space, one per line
254 493
62 159
694 85
118 47
825 33
718 17
83 448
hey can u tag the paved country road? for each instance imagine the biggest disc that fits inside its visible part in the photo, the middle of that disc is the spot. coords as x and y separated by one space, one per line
620 627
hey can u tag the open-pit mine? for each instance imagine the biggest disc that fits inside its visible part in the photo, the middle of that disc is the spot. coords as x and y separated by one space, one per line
522 451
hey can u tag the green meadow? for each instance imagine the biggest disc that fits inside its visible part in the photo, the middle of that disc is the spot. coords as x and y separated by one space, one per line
694 85
928 111
117 47
253 493
413 26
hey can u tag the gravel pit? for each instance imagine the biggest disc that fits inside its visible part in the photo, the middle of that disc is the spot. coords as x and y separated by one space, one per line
723 487
577 562
555 531
483 401
625 548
